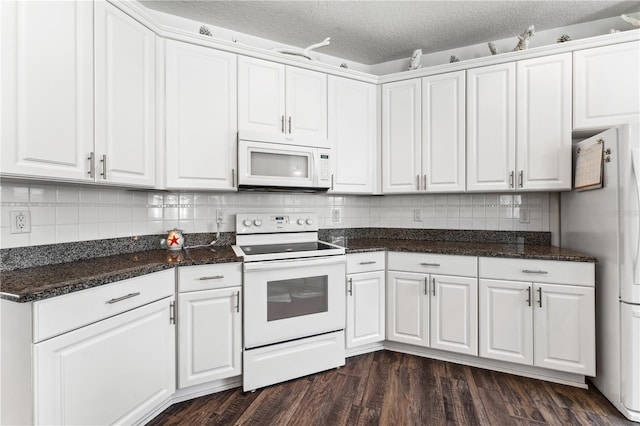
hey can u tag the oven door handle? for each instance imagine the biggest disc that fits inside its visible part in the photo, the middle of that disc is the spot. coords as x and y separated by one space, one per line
293 263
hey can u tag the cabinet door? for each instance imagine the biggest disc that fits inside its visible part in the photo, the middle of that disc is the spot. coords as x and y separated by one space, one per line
544 123
606 86
47 89
454 314
491 132
201 117
352 130
115 371
125 98
564 323
209 336
306 106
365 309
443 132
506 321
408 305
261 100
401 137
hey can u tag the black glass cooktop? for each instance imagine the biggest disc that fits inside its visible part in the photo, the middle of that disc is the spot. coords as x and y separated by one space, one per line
285 248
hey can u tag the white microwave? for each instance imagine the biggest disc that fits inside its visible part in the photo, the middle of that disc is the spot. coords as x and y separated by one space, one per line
263 165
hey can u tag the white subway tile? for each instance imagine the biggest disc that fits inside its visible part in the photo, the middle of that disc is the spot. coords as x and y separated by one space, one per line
67 233
42 193
171 213
89 195
89 231
124 229
108 214
67 215
108 196
155 199
154 213
14 193
41 235
9 240
89 214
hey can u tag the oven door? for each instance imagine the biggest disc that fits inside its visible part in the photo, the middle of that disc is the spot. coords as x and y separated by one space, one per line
291 299
263 164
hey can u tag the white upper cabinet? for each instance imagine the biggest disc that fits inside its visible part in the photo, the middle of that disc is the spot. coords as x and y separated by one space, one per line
282 104
544 123
401 136
443 132
201 108
47 89
424 134
352 132
491 130
606 86
538 155
125 144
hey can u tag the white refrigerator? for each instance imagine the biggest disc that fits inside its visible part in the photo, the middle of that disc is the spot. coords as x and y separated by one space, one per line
605 223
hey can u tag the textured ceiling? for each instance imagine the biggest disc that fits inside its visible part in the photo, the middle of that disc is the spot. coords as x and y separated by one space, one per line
372 32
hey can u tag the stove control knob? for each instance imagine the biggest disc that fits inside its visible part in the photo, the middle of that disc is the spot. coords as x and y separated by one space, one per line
247 222
309 221
300 221
257 222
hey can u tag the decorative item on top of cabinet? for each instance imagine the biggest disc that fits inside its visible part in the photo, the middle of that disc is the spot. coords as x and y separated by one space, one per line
415 62
365 301
352 131
523 41
538 155
305 53
538 312
281 104
606 86
201 107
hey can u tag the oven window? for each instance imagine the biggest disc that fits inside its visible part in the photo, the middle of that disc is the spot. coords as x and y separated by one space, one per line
297 297
279 165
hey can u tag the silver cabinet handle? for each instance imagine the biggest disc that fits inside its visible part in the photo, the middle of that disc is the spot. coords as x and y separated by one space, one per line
104 166
529 296
120 299
282 123
332 182
429 264
540 296
233 178
511 179
531 271
433 285
368 262
212 277
172 313
238 304
92 165
520 178
424 182
350 289
426 283
289 124
418 182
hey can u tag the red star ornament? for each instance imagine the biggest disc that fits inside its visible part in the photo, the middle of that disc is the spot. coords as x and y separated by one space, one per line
174 241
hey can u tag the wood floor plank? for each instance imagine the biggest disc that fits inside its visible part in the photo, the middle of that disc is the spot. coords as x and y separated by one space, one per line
387 388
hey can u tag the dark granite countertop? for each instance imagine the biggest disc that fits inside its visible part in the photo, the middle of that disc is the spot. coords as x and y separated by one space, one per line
521 251
42 282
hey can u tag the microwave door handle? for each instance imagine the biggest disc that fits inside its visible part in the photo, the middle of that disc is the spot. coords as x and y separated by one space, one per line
635 170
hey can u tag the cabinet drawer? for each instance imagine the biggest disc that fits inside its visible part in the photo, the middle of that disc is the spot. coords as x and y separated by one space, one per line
207 277
365 262
539 271
433 263
60 314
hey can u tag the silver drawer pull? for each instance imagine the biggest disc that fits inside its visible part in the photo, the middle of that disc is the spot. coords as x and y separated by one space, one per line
429 264
212 277
120 299
529 271
369 262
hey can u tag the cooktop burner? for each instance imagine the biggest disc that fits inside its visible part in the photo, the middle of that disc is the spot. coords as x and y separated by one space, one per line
285 248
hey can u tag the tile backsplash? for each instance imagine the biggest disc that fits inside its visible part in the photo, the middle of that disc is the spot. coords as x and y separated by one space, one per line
66 213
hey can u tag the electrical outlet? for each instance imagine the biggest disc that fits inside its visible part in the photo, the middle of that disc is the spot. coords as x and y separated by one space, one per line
220 216
20 221
335 215
417 215
525 216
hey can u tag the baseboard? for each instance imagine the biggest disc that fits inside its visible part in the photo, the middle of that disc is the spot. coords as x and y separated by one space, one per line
361 350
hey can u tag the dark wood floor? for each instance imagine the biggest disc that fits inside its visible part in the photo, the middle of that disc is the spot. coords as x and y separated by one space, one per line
388 388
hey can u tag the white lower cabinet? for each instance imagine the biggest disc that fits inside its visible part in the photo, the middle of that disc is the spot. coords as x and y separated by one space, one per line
547 324
209 323
113 371
430 309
